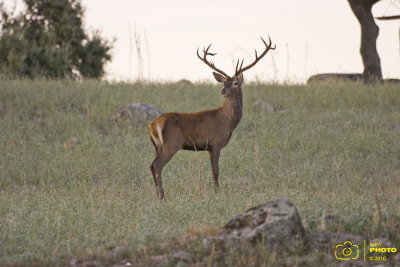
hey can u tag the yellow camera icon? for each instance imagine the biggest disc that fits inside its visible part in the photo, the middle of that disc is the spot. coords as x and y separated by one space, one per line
346 251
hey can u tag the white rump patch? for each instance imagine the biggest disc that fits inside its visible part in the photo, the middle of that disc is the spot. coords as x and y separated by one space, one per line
159 131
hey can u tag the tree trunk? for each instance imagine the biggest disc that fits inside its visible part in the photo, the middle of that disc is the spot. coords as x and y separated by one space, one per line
369 34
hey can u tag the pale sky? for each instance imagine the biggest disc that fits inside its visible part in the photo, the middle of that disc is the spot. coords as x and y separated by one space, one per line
311 36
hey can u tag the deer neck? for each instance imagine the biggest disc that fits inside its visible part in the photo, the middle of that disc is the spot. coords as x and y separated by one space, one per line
232 109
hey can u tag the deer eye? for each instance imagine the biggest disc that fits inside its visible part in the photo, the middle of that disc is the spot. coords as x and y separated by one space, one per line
235 83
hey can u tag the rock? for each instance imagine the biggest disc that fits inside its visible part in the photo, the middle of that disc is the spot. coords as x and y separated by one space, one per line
271 223
275 224
137 113
184 83
391 81
334 77
262 106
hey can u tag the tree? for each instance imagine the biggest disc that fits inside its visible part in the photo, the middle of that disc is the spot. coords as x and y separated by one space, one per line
369 34
48 40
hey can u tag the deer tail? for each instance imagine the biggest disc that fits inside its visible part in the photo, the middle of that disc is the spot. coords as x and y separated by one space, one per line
155 132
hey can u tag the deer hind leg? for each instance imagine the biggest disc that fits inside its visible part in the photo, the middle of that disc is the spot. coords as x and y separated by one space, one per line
157 148
157 166
153 172
214 157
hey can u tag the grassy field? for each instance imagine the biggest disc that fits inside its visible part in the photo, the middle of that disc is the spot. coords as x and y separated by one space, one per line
334 150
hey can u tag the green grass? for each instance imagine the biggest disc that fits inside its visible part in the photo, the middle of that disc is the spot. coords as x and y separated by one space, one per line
336 148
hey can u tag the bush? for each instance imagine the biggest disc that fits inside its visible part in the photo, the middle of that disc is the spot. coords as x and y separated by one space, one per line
48 40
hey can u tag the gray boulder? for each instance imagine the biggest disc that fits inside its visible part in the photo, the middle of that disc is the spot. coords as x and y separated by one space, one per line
265 107
335 77
137 113
275 224
270 223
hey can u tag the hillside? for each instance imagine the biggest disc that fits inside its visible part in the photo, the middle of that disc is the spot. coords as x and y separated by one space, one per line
74 182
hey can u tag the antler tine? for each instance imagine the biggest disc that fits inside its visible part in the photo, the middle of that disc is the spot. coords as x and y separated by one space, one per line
237 65
268 47
205 50
209 63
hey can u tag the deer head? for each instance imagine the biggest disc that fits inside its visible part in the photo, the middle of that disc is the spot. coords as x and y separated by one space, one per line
232 85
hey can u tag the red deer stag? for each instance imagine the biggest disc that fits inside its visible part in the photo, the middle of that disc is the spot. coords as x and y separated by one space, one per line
208 130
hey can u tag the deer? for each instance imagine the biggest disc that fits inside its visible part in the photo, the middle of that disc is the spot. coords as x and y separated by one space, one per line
208 130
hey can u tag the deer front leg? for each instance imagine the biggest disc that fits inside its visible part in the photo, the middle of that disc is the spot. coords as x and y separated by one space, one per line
160 161
214 157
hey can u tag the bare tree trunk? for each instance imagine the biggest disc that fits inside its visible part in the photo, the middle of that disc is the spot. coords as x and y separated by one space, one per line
369 34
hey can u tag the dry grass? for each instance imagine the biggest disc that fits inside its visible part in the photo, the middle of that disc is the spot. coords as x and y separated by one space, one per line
335 149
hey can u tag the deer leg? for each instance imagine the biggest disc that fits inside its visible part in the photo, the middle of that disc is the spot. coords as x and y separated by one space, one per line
159 163
153 172
152 164
214 157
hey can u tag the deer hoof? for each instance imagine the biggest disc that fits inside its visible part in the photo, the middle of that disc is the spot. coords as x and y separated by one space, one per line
161 196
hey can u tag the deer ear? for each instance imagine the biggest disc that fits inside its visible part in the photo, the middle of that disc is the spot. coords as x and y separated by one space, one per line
240 77
219 77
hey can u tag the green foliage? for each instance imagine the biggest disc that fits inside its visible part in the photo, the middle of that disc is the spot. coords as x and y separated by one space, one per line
48 40
334 149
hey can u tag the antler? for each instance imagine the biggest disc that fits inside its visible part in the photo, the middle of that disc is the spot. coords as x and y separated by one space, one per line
239 69
209 63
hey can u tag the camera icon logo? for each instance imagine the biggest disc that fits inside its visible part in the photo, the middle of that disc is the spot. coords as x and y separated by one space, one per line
346 251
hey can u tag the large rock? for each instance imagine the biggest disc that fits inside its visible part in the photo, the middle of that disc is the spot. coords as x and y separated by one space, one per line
275 224
334 77
137 113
